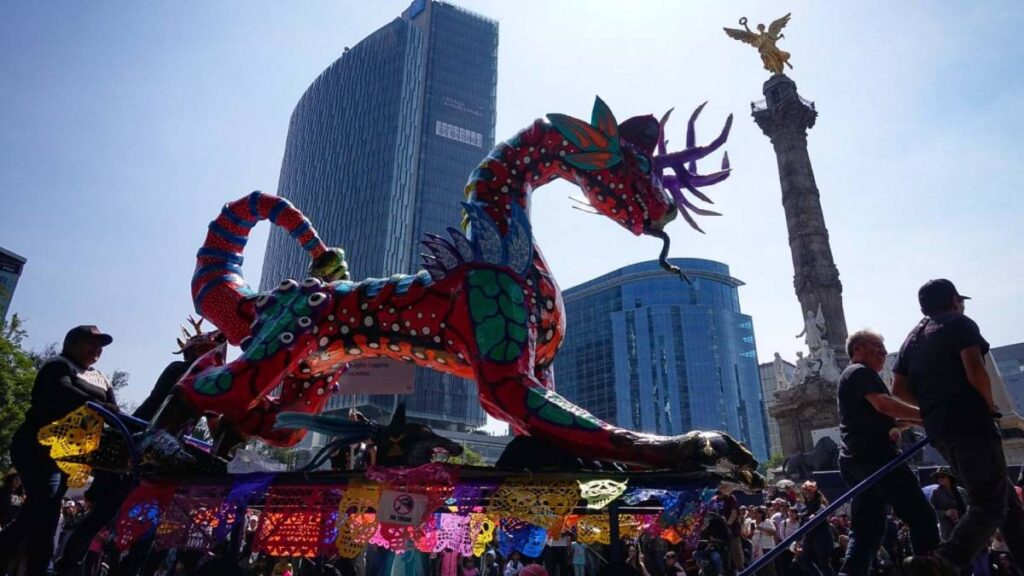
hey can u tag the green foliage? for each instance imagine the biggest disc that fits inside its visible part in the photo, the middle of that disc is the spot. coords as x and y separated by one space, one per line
40 357
119 380
17 374
773 461
277 454
469 457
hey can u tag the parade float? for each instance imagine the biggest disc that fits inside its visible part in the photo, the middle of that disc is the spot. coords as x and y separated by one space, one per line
484 307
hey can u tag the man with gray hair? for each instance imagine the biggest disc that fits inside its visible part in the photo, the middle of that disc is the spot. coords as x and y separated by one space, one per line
869 423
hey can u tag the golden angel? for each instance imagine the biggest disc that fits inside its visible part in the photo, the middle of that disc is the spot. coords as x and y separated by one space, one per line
764 41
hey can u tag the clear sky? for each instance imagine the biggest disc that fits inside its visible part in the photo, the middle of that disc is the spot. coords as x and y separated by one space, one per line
124 126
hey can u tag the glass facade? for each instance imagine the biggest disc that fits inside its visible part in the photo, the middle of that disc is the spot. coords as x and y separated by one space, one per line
1010 362
11 266
379 150
649 352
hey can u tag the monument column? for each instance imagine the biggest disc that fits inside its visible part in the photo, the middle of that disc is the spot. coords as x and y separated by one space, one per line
785 118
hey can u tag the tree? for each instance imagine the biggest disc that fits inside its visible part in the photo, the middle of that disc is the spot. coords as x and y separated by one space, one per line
119 381
40 357
774 461
17 374
469 457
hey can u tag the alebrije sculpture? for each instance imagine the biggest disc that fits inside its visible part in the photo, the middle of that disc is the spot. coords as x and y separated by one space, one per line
485 306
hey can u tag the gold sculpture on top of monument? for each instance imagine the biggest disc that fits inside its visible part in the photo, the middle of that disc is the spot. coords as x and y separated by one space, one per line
764 41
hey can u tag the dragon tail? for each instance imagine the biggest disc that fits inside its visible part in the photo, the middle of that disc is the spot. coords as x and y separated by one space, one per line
333 426
219 291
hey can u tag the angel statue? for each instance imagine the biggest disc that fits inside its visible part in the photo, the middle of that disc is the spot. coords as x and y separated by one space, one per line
801 371
772 57
814 327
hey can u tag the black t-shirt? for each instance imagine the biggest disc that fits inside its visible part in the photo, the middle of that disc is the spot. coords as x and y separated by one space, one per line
164 384
864 430
930 361
57 391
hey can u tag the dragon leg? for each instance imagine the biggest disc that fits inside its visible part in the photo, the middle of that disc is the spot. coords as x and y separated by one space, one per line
302 396
503 346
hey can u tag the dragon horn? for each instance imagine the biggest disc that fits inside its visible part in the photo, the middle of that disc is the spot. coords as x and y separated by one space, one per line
197 325
662 143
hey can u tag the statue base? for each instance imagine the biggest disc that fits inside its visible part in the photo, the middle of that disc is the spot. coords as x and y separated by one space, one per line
807 406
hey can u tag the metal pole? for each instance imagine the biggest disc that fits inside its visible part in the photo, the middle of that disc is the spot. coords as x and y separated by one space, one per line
824 514
613 531
116 422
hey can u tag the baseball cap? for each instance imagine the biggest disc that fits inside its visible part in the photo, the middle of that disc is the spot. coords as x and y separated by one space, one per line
936 295
87 331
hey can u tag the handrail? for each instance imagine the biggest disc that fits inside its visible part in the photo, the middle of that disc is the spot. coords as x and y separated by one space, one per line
822 515
122 422
115 421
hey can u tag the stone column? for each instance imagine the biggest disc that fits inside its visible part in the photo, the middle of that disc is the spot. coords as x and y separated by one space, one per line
785 118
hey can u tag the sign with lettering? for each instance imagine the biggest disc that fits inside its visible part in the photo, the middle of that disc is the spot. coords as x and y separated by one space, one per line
403 508
378 376
464 135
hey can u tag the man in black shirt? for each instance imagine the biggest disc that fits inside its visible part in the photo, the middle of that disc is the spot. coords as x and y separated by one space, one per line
191 350
941 368
109 489
62 385
869 420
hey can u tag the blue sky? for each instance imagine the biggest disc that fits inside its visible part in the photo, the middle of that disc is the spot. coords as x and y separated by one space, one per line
124 126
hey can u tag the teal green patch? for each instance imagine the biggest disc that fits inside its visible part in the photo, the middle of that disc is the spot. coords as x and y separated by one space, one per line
499 317
535 399
552 414
557 410
214 383
277 319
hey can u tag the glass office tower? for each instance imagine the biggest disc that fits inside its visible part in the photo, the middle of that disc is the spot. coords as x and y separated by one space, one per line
651 353
379 150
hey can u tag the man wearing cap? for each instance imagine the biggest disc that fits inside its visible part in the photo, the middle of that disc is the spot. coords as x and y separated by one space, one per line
108 489
941 368
62 385
949 501
869 420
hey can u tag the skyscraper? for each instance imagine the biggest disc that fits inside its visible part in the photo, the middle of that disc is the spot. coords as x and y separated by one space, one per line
649 352
1010 361
10 270
379 149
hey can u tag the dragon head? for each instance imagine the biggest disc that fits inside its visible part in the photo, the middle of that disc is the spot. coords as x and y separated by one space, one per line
629 176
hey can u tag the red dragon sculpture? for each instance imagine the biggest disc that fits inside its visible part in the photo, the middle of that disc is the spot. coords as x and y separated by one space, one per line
484 307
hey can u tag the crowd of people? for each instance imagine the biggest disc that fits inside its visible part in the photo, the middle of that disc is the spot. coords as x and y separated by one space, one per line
755 530
970 522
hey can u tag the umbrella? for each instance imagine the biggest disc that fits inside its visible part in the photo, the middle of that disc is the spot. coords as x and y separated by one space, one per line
784 483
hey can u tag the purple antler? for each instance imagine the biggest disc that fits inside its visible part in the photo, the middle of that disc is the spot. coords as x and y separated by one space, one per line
684 167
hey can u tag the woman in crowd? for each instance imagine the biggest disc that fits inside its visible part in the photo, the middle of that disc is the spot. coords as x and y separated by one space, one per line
762 538
514 564
789 525
635 560
579 558
468 567
816 548
11 496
